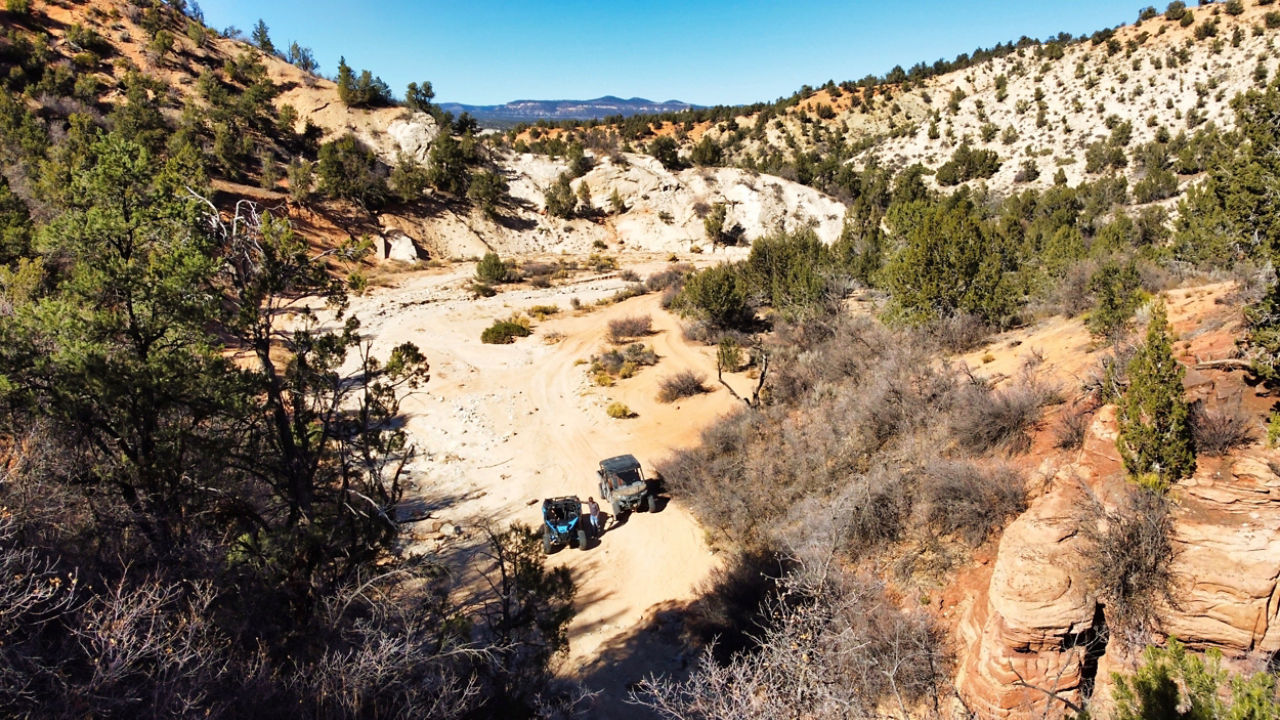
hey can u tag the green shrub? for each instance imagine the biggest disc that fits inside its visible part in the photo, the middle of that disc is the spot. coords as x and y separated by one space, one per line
717 295
448 163
504 332
559 198
789 270
492 270
950 262
487 190
968 164
1175 683
363 90
666 150
347 169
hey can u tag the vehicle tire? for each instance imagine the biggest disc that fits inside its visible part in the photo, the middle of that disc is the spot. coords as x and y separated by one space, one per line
617 509
546 540
582 539
652 501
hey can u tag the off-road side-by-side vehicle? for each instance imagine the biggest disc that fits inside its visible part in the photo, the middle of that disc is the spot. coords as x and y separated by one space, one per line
622 483
563 524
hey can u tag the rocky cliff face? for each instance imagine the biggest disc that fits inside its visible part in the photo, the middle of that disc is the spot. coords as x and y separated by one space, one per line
1034 630
663 210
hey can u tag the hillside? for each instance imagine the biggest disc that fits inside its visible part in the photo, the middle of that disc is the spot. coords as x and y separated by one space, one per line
955 388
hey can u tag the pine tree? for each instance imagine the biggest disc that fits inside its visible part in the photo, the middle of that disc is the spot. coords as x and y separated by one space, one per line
262 38
418 97
1155 437
346 81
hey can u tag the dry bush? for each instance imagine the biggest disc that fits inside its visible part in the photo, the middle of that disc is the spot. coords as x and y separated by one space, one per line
833 647
1108 378
616 362
971 501
672 277
539 274
629 275
626 293
1070 296
867 512
625 328
1217 431
836 413
958 333
1072 428
984 419
1126 557
683 384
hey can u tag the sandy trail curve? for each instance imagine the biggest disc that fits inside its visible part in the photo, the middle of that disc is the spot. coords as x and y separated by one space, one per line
501 427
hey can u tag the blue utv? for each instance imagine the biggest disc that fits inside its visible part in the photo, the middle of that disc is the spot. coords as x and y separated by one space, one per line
562 524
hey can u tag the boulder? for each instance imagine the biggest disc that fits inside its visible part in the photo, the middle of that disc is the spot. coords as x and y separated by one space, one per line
413 136
398 246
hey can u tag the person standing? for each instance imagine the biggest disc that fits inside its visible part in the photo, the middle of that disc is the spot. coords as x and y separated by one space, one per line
594 512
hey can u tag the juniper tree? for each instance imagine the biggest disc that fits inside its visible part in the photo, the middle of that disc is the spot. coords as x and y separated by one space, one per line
1155 438
713 223
560 199
1116 291
447 164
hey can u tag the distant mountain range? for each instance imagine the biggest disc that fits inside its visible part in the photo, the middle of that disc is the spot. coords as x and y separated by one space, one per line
534 110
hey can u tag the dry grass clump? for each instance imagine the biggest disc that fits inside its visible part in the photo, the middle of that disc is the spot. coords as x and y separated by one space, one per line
623 329
685 383
626 293
619 411
542 312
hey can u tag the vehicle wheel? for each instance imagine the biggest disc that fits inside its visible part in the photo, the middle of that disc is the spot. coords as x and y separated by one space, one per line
653 503
617 509
582 539
546 540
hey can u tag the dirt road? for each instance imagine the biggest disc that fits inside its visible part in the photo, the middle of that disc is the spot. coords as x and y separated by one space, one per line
504 426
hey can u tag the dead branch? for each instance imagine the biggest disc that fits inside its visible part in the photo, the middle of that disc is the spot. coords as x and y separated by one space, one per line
1227 363
754 402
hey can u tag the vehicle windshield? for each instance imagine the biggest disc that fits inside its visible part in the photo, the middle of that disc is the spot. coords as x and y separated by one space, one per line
631 475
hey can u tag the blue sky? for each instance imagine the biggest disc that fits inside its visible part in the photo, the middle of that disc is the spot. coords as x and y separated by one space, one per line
489 52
